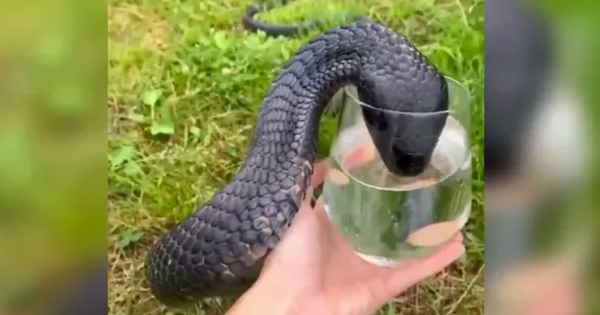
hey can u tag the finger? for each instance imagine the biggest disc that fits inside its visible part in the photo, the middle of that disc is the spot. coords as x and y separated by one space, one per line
304 220
391 282
359 156
325 224
320 204
404 277
458 238
319 172
307 197
320 210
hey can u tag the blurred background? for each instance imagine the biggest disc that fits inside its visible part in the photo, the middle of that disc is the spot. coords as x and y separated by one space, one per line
53 157
541 165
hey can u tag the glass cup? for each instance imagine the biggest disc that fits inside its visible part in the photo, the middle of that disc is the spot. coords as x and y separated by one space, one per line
388 218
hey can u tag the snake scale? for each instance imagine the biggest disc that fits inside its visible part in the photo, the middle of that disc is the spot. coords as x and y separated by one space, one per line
219 249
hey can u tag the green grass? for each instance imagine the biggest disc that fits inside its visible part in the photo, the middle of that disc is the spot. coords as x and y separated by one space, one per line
185 87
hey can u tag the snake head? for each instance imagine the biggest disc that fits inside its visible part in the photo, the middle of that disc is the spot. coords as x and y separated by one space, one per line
405 120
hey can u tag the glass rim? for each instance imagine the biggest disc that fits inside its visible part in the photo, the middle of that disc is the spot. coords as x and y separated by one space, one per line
451 81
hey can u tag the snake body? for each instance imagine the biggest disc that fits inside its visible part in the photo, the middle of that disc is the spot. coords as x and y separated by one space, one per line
251 23
219 249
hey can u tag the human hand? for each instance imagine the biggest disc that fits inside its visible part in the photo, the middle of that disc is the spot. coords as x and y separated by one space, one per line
314 271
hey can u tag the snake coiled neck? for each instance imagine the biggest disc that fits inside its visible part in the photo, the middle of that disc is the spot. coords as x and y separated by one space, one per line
219 249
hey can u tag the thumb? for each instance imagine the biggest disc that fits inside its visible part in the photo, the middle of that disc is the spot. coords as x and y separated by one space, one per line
403 277
392 282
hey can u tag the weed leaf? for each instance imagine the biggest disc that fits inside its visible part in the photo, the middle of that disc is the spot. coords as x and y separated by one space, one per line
129 237
151 97
162 127
121 155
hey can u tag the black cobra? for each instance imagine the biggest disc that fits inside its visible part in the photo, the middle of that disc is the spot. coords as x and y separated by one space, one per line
220 248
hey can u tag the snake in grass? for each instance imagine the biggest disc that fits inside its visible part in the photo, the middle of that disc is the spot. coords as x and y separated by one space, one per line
219 249
251 23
